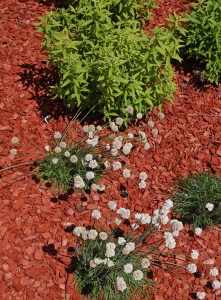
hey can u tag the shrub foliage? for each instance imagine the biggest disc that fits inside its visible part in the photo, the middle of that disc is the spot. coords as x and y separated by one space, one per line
203 39
104 57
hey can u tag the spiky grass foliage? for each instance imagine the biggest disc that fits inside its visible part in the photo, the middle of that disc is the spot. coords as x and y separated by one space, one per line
192 196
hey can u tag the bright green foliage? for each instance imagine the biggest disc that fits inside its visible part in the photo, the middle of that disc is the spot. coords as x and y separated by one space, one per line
192 195
204 37
109 63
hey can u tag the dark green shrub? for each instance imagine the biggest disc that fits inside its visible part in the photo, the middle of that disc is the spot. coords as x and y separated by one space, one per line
203 38
109 64
192 197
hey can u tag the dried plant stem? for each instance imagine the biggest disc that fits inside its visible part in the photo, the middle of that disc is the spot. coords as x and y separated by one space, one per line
18 165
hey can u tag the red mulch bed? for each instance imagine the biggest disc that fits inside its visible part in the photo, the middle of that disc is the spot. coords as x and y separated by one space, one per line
35 226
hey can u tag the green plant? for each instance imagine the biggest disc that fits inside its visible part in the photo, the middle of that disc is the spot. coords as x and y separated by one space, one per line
109 64
114 263
198 199
203 38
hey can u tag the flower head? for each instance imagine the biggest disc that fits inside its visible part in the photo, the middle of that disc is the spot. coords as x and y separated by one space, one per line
13 151
62 145
194 254
192 268
201 295
129 109
112 205
216 284
128 268
96 214
92 234
103 235
214 271
145 263
89 175
139 116
121 284
138 275
209 206
73 158
126 173
57 135
54 160
15 140
198 231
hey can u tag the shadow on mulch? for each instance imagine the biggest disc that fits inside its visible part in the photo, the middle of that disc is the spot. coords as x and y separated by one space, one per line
55 3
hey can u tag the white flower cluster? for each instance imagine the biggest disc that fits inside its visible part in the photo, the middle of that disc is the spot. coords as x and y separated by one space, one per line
97 261
57 135
129 247
176 227
126 173
93 141
124 213
198 231
209 206
216 284
117 165
117 143
119 121
121 241
96 214
121 284
169 240
127 148
85 234
110 250
142 176
145 263
15 140
194 254
79 182
113 126
129 110
112 205
139 116
192 268
201 295
142 136
214 271
143 218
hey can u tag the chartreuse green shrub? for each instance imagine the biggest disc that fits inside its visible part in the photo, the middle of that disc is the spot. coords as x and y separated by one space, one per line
198 200
203 38
106 63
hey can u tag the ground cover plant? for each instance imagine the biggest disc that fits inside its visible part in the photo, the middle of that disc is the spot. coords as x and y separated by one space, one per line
110 64
203 38
197 199
37 243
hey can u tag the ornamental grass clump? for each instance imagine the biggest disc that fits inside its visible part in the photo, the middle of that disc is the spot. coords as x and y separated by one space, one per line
197 199
116 262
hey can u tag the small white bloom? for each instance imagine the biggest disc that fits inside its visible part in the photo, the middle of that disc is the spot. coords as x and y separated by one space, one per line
99 128
57 150
145 263
91 128
143 218
103 235
126 150
139 116
176 225
121 241
110 263
98 261
93 164
161 115
88 157
13 151
92 234
142 136
138 275
143 176
209 206
130 135
164 219
124 213
73 158
89 175
79 230
126 173
101 187
169 203
216 284
117 144
142 184
128 268
79 182
54 161
129 109
150 123
96 214
175 233
146 146
94 187
57 135
129 247
198 231
62 145
119 121
47 148
121 284
117 221
108 146
114 152
170 243
155 131
201 295
107 164
92 264
117 165
112 205
194 254
85 128
192 268
113 126
14 140
67 154
214 271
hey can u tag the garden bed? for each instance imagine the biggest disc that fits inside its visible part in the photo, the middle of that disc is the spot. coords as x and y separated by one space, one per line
36 226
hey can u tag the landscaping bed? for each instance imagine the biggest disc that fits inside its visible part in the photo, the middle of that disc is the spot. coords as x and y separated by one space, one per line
36 226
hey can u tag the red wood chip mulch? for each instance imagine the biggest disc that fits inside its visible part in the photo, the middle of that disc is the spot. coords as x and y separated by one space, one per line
35 227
